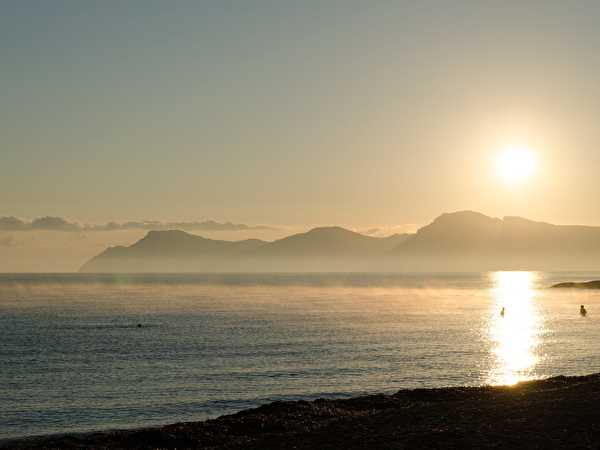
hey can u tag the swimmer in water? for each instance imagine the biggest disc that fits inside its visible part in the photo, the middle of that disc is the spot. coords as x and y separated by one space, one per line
582 310
502 311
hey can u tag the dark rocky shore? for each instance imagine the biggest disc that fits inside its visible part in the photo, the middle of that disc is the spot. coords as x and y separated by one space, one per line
561 412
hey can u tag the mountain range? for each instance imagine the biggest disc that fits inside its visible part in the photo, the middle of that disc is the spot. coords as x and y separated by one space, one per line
459 241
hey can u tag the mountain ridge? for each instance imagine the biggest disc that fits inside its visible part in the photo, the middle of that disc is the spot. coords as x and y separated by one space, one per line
326 243
456 241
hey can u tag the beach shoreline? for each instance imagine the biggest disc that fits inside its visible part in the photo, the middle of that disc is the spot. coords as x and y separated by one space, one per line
556 412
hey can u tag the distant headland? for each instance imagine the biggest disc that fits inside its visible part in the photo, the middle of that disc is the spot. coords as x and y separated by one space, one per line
594 284
459 241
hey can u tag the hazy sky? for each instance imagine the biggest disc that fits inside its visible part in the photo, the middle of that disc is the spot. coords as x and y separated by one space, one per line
297 112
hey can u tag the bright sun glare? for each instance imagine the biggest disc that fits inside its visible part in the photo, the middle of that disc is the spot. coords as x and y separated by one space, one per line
516 333
516 164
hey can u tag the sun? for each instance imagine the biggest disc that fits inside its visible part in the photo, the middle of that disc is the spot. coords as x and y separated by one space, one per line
516 164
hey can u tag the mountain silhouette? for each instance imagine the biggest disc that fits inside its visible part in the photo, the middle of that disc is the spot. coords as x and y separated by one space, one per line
171 250
467 240
324 248
456 232
459 241
331 241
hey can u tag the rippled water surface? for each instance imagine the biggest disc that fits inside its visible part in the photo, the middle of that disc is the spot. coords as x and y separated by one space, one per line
73 358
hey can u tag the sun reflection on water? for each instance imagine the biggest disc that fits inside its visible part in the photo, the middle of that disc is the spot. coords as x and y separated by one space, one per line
515 335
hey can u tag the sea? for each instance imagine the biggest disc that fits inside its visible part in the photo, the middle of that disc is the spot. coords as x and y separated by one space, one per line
82 352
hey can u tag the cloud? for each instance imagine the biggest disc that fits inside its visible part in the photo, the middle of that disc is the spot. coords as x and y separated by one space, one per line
207 225
54 224
12 224
41 223
389 230
49 223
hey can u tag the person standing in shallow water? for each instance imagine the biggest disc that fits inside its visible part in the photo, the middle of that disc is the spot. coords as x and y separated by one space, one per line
582 310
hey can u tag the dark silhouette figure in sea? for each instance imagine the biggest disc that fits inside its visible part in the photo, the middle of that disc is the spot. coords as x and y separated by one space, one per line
582 310
502 311
139 325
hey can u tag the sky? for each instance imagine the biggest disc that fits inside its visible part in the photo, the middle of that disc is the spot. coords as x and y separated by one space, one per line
379 114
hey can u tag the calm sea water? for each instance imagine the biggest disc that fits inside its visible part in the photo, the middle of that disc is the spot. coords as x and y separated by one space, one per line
72 357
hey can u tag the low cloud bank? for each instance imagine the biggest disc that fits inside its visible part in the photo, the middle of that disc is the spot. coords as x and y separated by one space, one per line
384 231
11 223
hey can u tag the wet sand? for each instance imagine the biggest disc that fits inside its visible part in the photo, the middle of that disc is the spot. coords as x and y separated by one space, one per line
560 412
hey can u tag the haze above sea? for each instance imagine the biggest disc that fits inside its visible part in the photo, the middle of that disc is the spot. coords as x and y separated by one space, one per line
85 352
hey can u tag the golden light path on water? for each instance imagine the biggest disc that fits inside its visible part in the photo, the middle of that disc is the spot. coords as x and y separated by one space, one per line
515 335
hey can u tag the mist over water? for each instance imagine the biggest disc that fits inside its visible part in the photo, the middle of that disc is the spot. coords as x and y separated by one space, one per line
74 358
